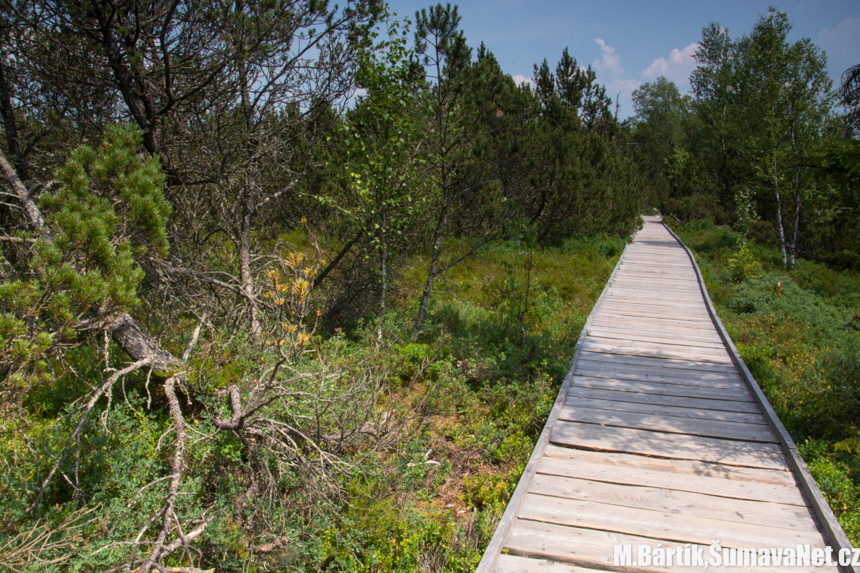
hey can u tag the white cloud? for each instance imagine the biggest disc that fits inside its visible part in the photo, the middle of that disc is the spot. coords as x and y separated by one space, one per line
676 68
842 45
625 86
611 62
520 79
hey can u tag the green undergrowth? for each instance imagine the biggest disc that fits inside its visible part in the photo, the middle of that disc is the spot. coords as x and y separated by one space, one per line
798 330
494 357
479 381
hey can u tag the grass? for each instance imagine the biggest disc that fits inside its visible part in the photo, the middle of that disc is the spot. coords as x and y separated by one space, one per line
802 343
480 380
488 389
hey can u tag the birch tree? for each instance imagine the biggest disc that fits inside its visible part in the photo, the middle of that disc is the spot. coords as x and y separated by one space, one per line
768 101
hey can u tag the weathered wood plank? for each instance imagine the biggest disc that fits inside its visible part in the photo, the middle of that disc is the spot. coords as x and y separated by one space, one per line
614 347
588 547
717 405
684 528
697 328
515 564
777 486
675 345
681 446
672 425
655 335
667 310
661 388
676 363
676 303
677 502
665 411
653 321
626 372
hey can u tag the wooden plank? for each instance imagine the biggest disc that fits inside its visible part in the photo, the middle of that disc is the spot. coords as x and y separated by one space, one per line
680 446
704 380
776 486
614 319
684 311
685 402
652 374
638 285
657 335
672 527
653 291
646 274
666 411
683 318
682 335
673 344
677 350
632 318
636 282
663 389
631 349
675 502
656 375
639 297
675 303
571 545
672 425
592 548
655 294
516 564
644 271
678 502
675 363
632 263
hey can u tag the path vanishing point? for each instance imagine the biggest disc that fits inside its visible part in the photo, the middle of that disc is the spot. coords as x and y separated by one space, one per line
660 437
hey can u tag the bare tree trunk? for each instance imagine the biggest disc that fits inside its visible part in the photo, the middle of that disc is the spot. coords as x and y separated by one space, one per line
319 278
12 137
168 515
246 278
525 307
384 256
797 198
249 194
31 210
779 213
434 264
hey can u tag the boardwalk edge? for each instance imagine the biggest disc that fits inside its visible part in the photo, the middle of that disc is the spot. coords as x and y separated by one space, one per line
827 519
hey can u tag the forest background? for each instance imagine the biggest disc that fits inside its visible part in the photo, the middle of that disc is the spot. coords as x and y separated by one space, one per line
252 320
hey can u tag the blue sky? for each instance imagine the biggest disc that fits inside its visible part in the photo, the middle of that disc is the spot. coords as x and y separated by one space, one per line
631 42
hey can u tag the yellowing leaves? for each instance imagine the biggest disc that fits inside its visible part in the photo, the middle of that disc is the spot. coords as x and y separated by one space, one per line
300 287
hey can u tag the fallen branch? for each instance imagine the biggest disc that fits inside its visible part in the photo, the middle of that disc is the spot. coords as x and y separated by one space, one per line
104 387
167 511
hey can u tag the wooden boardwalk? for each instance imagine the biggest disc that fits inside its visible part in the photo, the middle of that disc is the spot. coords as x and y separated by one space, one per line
659 436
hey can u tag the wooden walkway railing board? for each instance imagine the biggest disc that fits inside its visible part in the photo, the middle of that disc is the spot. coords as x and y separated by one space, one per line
659 436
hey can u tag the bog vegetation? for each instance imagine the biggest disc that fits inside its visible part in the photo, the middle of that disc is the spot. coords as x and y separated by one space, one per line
286 286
